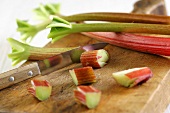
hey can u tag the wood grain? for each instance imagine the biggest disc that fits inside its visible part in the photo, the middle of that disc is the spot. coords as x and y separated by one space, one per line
150 97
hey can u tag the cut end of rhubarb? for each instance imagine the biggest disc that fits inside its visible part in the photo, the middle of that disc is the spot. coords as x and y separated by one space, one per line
83 75
92 99
95 58
73 75
88 96
102 57
42 92
122 79
132 77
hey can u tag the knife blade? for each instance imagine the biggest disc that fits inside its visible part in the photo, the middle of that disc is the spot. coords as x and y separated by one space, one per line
46 66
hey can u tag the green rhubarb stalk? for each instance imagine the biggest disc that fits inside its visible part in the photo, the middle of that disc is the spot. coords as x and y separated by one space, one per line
118 17
22 51
58 31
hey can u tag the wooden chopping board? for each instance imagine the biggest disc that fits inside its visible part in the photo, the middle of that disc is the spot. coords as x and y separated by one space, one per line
150 97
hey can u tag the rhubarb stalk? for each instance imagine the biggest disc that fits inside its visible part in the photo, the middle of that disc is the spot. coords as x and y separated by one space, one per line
148 44
28 31
43 13
118 17
58 31
21 52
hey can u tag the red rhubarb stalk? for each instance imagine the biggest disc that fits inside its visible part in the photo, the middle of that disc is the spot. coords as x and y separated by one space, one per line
148 44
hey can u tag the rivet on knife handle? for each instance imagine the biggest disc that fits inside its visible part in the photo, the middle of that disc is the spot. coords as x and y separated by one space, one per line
19 74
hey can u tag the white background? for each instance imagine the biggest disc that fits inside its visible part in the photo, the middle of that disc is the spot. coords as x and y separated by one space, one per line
22 9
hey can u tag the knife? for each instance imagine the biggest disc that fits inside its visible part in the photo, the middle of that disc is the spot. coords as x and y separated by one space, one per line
46 66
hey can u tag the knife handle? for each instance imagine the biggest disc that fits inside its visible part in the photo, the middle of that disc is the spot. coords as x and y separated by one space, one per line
19 74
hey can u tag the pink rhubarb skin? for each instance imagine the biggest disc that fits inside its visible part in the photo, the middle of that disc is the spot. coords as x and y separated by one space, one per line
133 77
141 76
148 44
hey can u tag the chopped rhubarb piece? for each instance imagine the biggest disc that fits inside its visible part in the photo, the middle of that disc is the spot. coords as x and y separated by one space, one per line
83 75
95 58
40 89
133 77
88 96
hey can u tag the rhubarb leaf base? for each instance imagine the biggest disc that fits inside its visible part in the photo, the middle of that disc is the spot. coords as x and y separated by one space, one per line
44 11
20 51
27 30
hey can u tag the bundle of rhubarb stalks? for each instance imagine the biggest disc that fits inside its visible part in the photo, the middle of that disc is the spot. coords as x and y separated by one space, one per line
140 32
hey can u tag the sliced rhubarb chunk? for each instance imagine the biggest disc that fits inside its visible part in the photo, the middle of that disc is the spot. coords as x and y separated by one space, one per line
132 77
88 96
95 58
83 75
41 89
